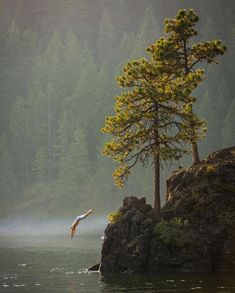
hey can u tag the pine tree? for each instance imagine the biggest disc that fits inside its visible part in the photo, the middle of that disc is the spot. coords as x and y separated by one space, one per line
175 50
152 120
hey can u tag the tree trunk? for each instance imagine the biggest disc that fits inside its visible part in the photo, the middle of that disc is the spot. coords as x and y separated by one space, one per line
156 188
195 154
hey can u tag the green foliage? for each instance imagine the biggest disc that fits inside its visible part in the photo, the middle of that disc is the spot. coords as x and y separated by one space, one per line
154 113
173 232
181 29
114 217
177 51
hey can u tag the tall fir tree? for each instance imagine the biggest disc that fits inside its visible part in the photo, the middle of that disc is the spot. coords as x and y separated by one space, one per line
74 165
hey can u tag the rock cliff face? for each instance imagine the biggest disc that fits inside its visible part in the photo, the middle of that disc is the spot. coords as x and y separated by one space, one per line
196 233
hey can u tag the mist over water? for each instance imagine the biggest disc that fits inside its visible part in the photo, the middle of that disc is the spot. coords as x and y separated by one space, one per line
93 225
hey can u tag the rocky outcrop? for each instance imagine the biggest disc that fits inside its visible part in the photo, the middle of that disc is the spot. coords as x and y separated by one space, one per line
126 243
196 233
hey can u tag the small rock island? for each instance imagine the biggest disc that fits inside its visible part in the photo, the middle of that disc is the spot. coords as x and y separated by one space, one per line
196 232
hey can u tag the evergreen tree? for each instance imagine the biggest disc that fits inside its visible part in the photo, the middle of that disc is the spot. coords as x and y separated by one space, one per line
10 75
175 50
20 134
85 103
73 62
124 49
7 177
153 119
53 68
105 41
40 164
120 18
74 166
148 32
63 135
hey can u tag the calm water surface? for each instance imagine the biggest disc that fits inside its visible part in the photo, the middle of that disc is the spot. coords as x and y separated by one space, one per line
59 264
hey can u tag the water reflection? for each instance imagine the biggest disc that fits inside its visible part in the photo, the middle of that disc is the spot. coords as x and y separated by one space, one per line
59 264
222 283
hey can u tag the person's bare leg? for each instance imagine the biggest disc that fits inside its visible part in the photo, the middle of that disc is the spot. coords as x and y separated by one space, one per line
71 232
73 228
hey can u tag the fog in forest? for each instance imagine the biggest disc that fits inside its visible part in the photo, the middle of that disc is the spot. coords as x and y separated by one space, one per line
59 61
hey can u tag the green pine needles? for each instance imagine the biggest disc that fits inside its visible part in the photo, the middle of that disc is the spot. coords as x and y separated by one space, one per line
174 51
154 118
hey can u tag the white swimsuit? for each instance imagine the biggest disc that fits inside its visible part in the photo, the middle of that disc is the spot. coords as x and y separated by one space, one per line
81 217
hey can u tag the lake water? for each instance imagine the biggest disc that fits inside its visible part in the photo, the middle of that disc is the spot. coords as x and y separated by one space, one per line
59 264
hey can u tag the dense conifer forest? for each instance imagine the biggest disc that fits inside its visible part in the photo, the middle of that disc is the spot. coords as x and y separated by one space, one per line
59 62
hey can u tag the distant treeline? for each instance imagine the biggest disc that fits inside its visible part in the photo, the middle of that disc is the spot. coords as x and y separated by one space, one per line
58 63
